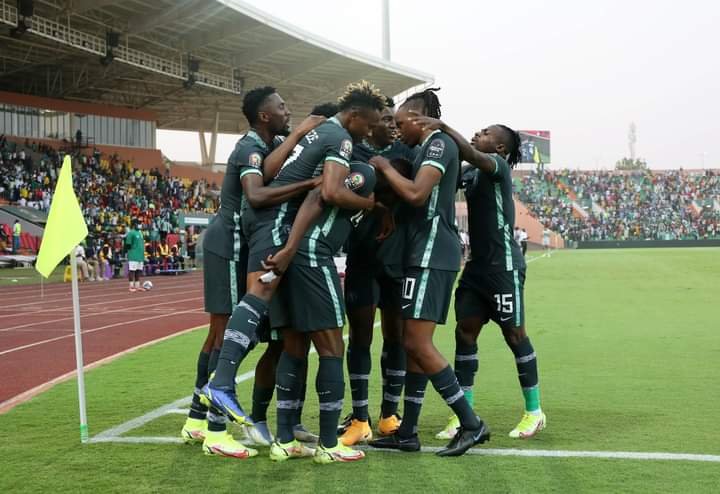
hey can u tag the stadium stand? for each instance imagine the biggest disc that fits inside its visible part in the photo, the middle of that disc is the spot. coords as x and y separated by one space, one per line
601 205
111 193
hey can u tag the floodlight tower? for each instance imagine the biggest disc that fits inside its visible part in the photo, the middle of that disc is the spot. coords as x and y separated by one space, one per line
386 29
632 140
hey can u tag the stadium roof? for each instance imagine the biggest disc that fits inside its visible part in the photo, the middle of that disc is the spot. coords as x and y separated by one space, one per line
236 46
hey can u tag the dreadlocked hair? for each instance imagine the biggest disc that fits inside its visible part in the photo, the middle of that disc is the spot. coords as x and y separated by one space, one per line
429 100
253 100
362 94
389 102
512 144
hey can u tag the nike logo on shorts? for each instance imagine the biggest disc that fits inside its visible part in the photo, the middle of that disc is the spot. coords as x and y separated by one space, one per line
503 319
252 322
406 306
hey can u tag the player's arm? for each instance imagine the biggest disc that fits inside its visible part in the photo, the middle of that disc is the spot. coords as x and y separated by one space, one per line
334 192
414 192
273 162
310 210
261 196
484 162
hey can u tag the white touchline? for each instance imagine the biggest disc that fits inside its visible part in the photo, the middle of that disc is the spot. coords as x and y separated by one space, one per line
114 435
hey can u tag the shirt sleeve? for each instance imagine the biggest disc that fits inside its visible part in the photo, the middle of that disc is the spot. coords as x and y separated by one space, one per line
339 149
439 153
502 169
250 161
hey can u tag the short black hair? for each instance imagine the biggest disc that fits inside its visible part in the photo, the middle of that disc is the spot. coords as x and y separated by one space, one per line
389 102
326 110
429 101
362 94
253 100
511 139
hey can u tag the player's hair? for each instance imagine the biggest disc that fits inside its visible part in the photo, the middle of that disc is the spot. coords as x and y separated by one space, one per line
429 101
512 144
326 110
389 102
253 100
362 94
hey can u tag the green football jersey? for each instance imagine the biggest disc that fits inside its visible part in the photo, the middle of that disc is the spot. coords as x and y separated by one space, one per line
362 248
431 236
327 142
223 236
491 218
135 246
325 238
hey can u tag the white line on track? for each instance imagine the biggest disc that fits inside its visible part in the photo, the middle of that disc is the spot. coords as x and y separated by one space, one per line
95 314
102 290
30 345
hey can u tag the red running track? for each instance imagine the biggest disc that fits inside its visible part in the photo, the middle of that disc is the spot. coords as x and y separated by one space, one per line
37 346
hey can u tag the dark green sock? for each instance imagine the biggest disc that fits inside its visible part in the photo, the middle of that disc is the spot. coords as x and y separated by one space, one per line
446 384
261 399
287 384
330 389
359 365
415 385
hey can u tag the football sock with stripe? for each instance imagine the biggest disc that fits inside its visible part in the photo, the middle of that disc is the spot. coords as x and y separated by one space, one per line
526 363
330 389
447 385
393 364
288 386
466 366
197 409
359 365
240 337
415 385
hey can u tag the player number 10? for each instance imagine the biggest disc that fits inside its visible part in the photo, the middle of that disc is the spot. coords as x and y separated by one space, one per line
504 303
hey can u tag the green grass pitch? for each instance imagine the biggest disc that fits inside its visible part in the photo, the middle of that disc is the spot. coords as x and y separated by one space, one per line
628 350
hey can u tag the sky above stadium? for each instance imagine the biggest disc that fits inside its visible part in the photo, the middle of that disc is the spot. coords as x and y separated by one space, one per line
582 70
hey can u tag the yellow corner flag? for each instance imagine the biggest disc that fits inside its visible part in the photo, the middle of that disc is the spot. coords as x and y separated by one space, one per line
65 227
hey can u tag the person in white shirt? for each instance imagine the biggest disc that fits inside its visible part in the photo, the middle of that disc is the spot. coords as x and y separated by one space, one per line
87 273
523 240
546 241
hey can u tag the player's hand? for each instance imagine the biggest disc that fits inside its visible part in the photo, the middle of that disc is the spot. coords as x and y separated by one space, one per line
317 181
387 223
371 201
427 123
279 262
381 164
309 123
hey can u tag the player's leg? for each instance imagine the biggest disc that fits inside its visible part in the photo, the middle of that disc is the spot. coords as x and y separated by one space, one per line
471 313
241 337
513 328
357 427
394 361
289 384
131 277
331 390
263 388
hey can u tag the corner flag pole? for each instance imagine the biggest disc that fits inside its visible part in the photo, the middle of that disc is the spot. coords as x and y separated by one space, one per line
78 349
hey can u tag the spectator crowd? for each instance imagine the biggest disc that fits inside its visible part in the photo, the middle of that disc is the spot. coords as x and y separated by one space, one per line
111 194
592 205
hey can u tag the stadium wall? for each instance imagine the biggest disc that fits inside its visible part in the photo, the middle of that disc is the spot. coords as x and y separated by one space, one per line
76 106
643 244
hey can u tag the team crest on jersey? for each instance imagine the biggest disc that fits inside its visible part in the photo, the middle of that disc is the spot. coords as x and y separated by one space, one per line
255 160
346 149
436 149
355 181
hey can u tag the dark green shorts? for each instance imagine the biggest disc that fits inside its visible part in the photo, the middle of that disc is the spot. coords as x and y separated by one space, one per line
371 285
426 294
308 299
265 240
224 281
491 296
